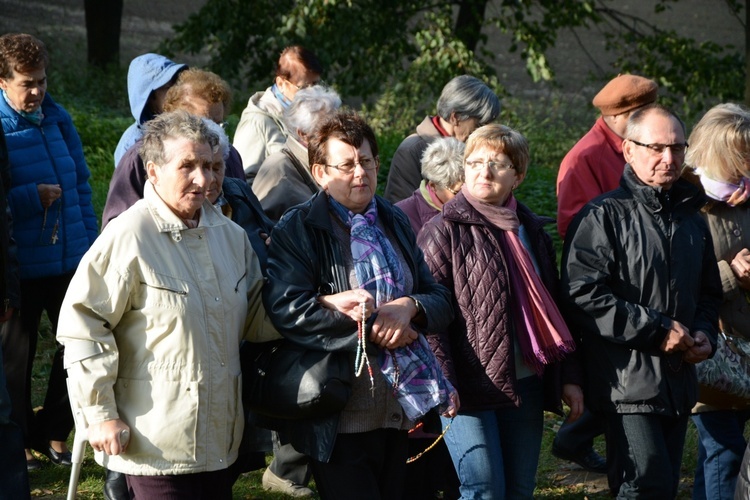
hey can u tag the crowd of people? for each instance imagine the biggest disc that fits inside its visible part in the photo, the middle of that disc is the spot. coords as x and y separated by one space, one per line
443 298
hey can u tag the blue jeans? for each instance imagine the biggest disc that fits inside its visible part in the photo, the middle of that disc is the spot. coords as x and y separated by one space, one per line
720 450
649 449
496 452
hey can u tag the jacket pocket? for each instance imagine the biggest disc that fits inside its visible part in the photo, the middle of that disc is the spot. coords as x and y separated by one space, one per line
164 291
163 417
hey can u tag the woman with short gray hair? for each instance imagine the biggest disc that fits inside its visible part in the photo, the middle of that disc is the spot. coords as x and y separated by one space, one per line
465 104
284 178
443 172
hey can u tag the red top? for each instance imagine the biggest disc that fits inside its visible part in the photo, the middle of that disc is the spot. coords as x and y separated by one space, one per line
592 167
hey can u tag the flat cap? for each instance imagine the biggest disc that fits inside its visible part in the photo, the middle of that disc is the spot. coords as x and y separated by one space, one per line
625 92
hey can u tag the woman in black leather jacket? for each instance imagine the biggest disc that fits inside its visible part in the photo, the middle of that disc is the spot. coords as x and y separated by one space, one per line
316 300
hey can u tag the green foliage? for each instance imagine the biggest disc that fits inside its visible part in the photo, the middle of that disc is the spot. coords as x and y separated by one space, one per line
97 101
395 55
692 76
406 97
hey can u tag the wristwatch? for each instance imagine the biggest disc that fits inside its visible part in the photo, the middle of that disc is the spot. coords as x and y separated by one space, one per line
418 305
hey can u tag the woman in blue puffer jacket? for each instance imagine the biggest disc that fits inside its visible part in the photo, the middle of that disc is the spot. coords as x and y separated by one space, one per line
53 224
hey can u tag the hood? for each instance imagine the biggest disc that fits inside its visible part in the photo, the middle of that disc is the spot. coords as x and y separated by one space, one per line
147 73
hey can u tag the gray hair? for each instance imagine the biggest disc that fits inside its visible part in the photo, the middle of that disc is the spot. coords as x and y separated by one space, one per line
310 106
634 128
216 129
443 162
173 125
468 97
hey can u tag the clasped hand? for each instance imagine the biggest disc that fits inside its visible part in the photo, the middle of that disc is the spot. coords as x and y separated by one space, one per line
392 327
695 348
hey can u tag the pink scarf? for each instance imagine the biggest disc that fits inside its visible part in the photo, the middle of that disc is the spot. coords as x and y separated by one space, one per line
541 331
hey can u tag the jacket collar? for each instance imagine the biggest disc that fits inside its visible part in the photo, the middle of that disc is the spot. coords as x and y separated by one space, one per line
614 140
682 194
168 222
299 151
460 210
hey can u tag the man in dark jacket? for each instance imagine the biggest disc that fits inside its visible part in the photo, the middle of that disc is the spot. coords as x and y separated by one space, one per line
641 284
13 474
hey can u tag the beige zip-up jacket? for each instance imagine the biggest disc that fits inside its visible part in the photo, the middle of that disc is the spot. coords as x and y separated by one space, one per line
151 324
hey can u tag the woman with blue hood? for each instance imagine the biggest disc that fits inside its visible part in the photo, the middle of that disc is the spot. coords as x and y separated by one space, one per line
149 78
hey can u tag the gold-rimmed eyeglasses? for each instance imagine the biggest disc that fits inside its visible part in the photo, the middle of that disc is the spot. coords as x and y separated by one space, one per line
658 149
348 167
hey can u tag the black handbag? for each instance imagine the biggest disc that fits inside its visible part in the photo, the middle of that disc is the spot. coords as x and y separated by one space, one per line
286 381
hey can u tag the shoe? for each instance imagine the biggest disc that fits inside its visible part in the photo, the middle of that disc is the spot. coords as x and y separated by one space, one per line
588 459
33 464
115 486
64 458
272 482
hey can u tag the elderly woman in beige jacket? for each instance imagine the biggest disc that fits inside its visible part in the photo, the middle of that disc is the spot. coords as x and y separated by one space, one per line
153 320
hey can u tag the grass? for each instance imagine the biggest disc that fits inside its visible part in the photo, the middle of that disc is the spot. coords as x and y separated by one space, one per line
98 103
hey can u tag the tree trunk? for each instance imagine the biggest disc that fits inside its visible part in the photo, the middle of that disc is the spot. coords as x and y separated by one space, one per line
469 22
103 19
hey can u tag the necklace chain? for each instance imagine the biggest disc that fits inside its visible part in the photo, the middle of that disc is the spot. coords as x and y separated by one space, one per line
434 443
361 359
55 228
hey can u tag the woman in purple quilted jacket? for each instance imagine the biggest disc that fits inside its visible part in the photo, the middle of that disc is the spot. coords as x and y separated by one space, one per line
507 350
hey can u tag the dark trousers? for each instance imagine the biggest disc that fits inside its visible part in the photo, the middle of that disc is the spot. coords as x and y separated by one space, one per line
578 436
19 340
287 462
649 449
14 478
364 466
215 485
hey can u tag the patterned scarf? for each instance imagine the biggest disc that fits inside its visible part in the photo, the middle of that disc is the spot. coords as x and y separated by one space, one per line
412 371
376 265
540 329
34 117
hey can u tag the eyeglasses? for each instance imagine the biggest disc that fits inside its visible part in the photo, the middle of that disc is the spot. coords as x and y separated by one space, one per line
348 167
658 149
303 86
495 166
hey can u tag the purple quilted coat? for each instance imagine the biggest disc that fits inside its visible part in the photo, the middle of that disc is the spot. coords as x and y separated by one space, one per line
476 351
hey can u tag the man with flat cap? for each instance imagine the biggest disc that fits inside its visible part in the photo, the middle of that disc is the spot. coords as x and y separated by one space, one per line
594 166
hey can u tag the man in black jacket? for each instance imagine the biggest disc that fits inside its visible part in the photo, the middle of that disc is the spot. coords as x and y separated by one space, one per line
641 284
14 479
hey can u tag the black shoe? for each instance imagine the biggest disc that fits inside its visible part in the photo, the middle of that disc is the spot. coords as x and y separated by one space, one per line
64 458
115 486
33 464
588 459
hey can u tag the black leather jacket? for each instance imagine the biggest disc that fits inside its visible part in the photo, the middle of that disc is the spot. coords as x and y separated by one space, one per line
305 260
